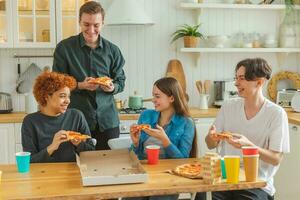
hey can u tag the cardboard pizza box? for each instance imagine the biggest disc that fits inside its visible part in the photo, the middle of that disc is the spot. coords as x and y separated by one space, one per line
110 167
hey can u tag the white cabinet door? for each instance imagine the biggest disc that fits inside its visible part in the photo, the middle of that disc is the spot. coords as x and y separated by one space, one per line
6 32
34 23
67 17
202 127
288 176
7 143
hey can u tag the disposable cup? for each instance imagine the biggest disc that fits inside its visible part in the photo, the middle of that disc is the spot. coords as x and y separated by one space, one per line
23 161
251 167
152 154
250 150
223 168
232 165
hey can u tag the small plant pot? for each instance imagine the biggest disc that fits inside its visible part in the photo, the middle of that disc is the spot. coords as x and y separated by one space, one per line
190 41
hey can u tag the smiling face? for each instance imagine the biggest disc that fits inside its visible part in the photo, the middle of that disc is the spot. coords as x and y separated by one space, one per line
58 102
161 101
91 25
246 88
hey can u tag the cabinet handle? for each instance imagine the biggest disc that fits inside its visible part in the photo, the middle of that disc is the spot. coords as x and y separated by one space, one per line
294 128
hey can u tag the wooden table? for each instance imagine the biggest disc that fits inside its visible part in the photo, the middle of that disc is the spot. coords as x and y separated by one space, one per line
63 181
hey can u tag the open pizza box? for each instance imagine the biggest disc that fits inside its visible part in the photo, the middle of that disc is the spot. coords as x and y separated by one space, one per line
110 167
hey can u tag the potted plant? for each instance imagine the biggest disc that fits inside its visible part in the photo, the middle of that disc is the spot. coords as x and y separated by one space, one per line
190 34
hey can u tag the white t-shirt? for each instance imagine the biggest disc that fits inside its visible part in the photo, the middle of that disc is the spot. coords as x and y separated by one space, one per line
268 129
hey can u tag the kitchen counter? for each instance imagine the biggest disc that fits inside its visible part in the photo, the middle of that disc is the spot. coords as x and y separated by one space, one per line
17 117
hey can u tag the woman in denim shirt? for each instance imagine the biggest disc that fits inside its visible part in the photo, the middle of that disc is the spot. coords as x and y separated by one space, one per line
171 127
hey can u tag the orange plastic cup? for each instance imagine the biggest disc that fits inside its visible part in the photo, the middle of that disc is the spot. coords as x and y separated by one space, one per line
152 154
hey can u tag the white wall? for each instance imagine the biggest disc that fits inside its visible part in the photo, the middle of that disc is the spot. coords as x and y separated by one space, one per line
147 49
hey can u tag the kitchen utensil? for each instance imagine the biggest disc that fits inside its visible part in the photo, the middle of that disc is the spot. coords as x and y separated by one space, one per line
5 103
175 70
26 79
136 101
296 101
207 84
204 101
120 104
199 86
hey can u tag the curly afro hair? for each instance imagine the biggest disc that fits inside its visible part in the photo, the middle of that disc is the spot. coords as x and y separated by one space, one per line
49 82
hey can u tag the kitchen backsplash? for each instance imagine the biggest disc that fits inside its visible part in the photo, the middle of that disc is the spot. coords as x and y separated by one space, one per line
147 49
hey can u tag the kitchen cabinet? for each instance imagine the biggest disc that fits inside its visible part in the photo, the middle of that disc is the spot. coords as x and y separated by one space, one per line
67 17
37 23
6 38
34 23
288 176
7 143
10 143
202 128
263 8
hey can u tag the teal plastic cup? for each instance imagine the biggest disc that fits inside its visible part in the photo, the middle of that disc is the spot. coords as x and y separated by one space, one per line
223 168
23 161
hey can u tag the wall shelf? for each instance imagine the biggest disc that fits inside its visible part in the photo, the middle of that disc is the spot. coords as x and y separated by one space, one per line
240 50
234 6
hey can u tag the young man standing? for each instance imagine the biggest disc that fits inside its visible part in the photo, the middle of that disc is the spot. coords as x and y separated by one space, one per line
255 121
86 56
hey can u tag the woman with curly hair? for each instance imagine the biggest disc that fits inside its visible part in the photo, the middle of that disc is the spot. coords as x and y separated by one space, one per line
44 133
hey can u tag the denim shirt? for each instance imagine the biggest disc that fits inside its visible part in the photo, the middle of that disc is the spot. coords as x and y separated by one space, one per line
180 131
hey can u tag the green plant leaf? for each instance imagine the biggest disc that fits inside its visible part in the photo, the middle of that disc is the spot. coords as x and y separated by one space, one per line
187 30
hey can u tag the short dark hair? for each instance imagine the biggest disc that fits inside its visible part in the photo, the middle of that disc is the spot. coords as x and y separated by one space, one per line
171 87
91 7
255 68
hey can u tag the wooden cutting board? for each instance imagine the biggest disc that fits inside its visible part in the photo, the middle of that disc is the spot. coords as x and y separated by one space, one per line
175 70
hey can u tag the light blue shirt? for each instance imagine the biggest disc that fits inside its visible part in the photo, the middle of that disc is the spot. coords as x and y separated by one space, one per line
180 131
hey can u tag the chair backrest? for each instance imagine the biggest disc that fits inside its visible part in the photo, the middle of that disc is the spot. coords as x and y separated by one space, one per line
194 149
119 143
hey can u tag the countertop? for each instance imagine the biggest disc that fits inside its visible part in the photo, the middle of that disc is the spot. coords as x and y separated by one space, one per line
17 117
63 181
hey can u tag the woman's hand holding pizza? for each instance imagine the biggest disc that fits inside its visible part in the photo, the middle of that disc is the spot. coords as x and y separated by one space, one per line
160 134
135 134
59 137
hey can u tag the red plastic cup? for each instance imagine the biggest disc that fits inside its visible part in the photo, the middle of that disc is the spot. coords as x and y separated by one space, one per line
152 154
250 150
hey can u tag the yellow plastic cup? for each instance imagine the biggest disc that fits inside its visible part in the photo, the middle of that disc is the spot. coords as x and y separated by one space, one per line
232 166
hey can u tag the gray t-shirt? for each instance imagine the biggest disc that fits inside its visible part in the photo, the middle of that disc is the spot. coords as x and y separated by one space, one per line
38 131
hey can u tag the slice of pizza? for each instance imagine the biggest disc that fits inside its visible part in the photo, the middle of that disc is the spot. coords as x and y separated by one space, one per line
189 170
143 127
223 135
77 136
105 80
